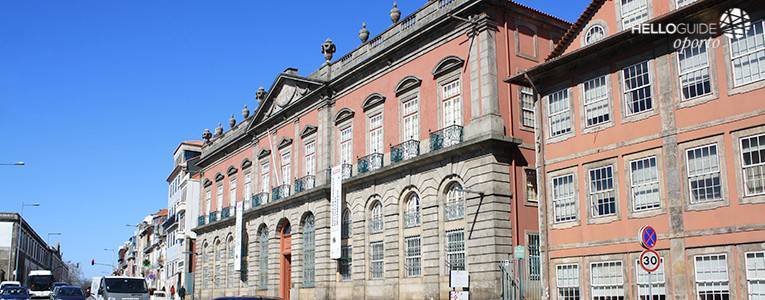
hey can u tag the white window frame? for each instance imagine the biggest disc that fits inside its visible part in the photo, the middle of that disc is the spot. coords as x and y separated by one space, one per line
694 72
630 18
736 83
413 256
760 165
714 283
596 99
247 188
532 191
566 287
451 93
691 177
755 273
569 201
562 115
286 160
411 119
638 187
219 196
265 176
590 33
346 144
376 133
609 287
310 157
628 102
457 253
526 96
376 258
208 200
658 281
232 190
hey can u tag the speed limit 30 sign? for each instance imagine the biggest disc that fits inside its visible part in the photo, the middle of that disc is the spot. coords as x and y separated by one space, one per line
650 260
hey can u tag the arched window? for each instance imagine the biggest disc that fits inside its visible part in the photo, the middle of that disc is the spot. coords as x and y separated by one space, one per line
219 263
206 263
376 221
309 260
412 213
346 224
455 202
231 274
594 34
263 240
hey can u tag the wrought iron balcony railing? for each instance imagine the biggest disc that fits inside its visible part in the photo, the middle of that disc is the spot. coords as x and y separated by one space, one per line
169 221
213 217
347 171
454 210
200 220
375 225
370 162
411 219
280 192
305 183
225 213
404 151
445 137
259 199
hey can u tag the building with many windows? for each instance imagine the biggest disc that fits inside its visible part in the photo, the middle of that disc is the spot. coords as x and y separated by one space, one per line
23 249
436 155
657 134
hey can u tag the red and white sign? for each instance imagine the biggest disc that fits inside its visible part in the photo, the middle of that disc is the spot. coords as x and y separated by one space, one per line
650 260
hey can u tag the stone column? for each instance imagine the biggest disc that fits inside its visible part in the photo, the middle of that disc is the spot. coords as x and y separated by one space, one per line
484 84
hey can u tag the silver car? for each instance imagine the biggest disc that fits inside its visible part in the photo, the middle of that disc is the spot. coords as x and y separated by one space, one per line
122 288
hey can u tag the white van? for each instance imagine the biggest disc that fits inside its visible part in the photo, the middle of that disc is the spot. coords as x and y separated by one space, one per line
95 283
122 287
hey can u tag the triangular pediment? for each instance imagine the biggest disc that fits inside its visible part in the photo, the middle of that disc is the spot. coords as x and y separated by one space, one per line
287 89
308 130
574 37
263 153
284 142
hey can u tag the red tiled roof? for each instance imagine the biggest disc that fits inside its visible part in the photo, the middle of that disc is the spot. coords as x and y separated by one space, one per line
577 27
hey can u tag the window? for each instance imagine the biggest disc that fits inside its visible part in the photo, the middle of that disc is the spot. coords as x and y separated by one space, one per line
376 223
693 65
602 195
594 34
286 162
376 265
208 200
567 279
527 107
230 260
206 262
455 202
607 280
346 262
263 272
644 181
704 174
564 198
232 191
531 185
560 113
452 103
712 277
753 164
220 273
597 109
748 55
755 274
376 133
346 224
346 145
534 266
309 260
633 12
265 180
412 213
219 197
455 249
247 189
657 280
413 256
637 88
681 3
310 158
411 120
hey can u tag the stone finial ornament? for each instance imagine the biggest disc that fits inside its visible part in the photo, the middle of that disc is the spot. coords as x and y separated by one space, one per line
245 112
363 33
219 130
328 48
260 94
207 135
232 121
395 13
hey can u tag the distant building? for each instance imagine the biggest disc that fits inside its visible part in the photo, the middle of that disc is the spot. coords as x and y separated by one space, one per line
18 238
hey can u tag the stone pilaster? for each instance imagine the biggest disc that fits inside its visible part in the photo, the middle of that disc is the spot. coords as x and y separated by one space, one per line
484 83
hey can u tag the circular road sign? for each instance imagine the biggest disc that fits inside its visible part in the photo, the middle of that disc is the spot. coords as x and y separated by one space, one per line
650 260
647 237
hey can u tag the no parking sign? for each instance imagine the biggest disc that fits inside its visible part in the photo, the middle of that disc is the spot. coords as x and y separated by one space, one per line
647 237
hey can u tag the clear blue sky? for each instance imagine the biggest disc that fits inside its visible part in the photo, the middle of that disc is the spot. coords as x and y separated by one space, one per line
95 95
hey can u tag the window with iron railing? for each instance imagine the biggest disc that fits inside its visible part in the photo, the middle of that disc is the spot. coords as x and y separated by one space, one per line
376 266
412 212
455 249
376 220
309 252
455 202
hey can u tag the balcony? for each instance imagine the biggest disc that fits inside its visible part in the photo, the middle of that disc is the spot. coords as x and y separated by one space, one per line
404 151
170 221
225 213
375 225
213 217
280 192
454 210
200 220
347 170
411 219
370 162
259 199
445 137
305 183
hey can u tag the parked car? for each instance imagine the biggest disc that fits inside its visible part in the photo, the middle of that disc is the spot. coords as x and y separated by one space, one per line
68 292
122 287
9 284
15 293
249 298
158 295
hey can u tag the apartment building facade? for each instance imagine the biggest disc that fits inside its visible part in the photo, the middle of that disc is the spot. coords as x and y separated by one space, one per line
637 131
434 150
22 248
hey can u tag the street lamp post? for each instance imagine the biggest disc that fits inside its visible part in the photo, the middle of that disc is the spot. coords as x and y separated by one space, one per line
52 233
18 240
18 163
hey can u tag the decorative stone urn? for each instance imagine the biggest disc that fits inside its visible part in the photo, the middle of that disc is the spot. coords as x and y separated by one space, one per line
260 94
232 121
207 135
395 13
328 48
245 112
363 33
219 130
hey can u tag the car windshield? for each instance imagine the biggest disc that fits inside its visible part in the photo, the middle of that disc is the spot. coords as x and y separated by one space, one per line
159 294
69 291
125 285
14 292
40 283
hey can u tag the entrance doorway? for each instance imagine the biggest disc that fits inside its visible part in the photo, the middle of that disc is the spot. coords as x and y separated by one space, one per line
285 260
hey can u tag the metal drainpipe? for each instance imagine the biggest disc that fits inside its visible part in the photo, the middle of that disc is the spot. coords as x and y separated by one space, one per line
541 187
